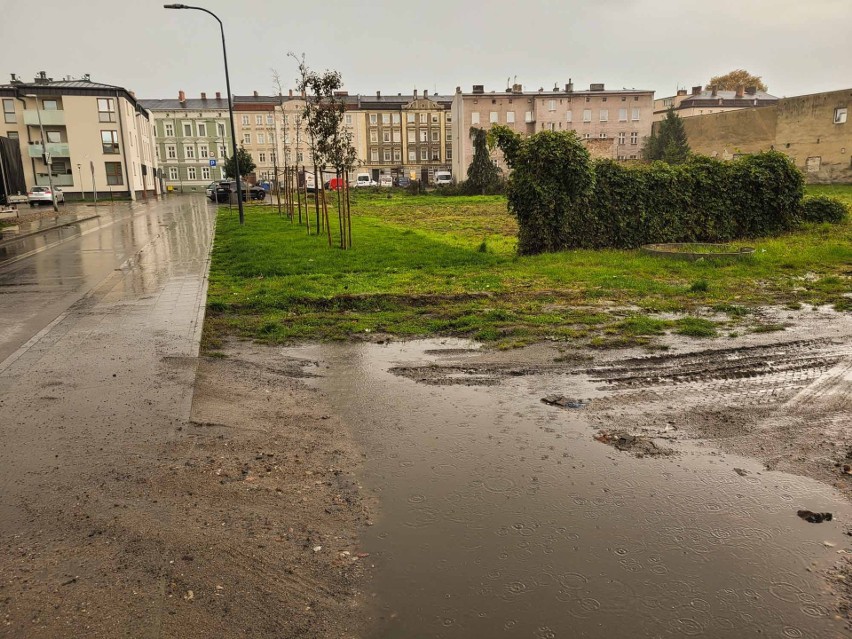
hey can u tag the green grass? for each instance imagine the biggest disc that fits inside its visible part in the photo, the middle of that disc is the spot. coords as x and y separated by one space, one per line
430 265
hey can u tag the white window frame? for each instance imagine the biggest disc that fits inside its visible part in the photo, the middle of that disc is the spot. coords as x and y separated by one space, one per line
424 154
374 119
474 117
622 138
840 114
386 118
634 137
424 135
169 129
569 116
409 118
258 120
635 114
171 151
494 117
397 155
245 120
189 151
205 172
395 118
551 105
261 138
187 126
386 137
622 115
203 151
201 127
173 173
412 136
246 138
397 136
412 155
387 155
261 157
603 115
587 115
191 174
510 117
528 117
374 155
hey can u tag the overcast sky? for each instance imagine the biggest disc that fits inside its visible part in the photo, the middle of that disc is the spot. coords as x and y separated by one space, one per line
797 46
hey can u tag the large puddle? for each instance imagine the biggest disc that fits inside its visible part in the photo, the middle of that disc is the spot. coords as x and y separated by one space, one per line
501 516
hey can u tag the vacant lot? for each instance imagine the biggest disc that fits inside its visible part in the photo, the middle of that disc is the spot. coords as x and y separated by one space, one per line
432 265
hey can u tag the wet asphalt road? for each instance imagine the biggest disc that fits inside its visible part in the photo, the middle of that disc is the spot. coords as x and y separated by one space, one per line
99 329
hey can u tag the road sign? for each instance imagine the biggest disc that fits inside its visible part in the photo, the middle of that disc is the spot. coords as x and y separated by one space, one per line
212 162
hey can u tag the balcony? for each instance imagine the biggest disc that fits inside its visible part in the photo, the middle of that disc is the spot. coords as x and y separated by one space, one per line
58 180
56 150
52 117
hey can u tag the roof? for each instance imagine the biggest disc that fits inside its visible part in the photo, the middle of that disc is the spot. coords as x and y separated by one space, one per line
559 93
707 97
50 87
194 104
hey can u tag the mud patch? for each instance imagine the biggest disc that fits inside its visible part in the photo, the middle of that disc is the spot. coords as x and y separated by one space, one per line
637 445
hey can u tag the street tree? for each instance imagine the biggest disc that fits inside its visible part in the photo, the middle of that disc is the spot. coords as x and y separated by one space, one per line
482 173
669 143
738 77
246 163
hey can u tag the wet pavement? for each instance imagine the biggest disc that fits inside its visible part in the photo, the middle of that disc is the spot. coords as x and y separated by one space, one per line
502 516
99 331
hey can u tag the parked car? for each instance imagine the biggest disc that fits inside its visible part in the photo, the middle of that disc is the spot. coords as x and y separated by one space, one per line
442 178
210 189
403 181
335 184
385 180
43 195
364 179
222 190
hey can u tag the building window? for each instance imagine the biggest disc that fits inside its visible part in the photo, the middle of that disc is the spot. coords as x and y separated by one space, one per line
54 137
397 136
109 141
191 173
385 118
374 136
374 155
436 153
245 120
106 110
300 157
386 136
395 118
424 154
387 155
434 118
634 137
604 115
551 105
621 137
449 135
374 119
602 135
261 157
622 115
169 129
348 117
113 172
528 116
409 117
587 115
203 151
449 117
202 129
173 173
221 148
9 112
493 117
246 138
424 135
50 105
424 118
187 129
171 152
205 172
436 135
449 153
412 155
258 120
569 117
189 152
474 117
412 136
840 116
397 155
635 114
261 139
510 117
270 119
220 130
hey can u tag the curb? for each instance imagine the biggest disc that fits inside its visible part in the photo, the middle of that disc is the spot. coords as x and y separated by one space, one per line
11 240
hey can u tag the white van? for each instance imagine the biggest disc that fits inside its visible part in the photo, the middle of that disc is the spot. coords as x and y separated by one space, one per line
364 179
443 178
385 180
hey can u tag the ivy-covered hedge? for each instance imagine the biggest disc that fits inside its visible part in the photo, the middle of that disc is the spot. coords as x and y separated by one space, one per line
820 208
563 199
704 200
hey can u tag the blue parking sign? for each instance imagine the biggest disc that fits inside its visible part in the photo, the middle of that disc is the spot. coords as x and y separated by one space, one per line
212 162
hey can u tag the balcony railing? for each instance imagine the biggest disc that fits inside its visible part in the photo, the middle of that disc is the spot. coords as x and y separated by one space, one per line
56 150
58 180
51 117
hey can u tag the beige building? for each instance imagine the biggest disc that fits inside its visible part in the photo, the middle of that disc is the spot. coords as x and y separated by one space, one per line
614 123
96 137
814 130
706 101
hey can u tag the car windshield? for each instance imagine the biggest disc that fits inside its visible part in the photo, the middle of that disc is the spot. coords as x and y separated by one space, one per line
38 189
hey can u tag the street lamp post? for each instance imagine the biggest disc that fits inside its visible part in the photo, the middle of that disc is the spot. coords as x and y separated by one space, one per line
45 156
230 103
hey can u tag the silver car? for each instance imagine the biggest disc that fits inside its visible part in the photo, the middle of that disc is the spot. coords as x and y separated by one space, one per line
42 194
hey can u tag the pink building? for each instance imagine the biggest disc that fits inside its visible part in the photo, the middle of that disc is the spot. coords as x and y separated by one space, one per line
618 120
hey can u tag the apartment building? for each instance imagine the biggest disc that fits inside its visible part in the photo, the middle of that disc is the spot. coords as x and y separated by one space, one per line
83 136
404 135
193 140
706 101
614 123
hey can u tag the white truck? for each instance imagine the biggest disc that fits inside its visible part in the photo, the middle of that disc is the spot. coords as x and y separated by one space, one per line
442 178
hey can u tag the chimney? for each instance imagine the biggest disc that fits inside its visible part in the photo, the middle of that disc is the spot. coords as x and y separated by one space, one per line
478 88
517 88
291 93
751 90
713 91
425 93
696 90
203 96
740 90
378 95
569 88
341 93
596 87
458 89
218 95
255 93
181 96
415 94
681 92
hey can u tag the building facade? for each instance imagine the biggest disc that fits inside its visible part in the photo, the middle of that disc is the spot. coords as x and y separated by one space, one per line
83 136
613 123
706 101
192 135
814 130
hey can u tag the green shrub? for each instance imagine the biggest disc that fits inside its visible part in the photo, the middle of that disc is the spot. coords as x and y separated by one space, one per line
821 208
